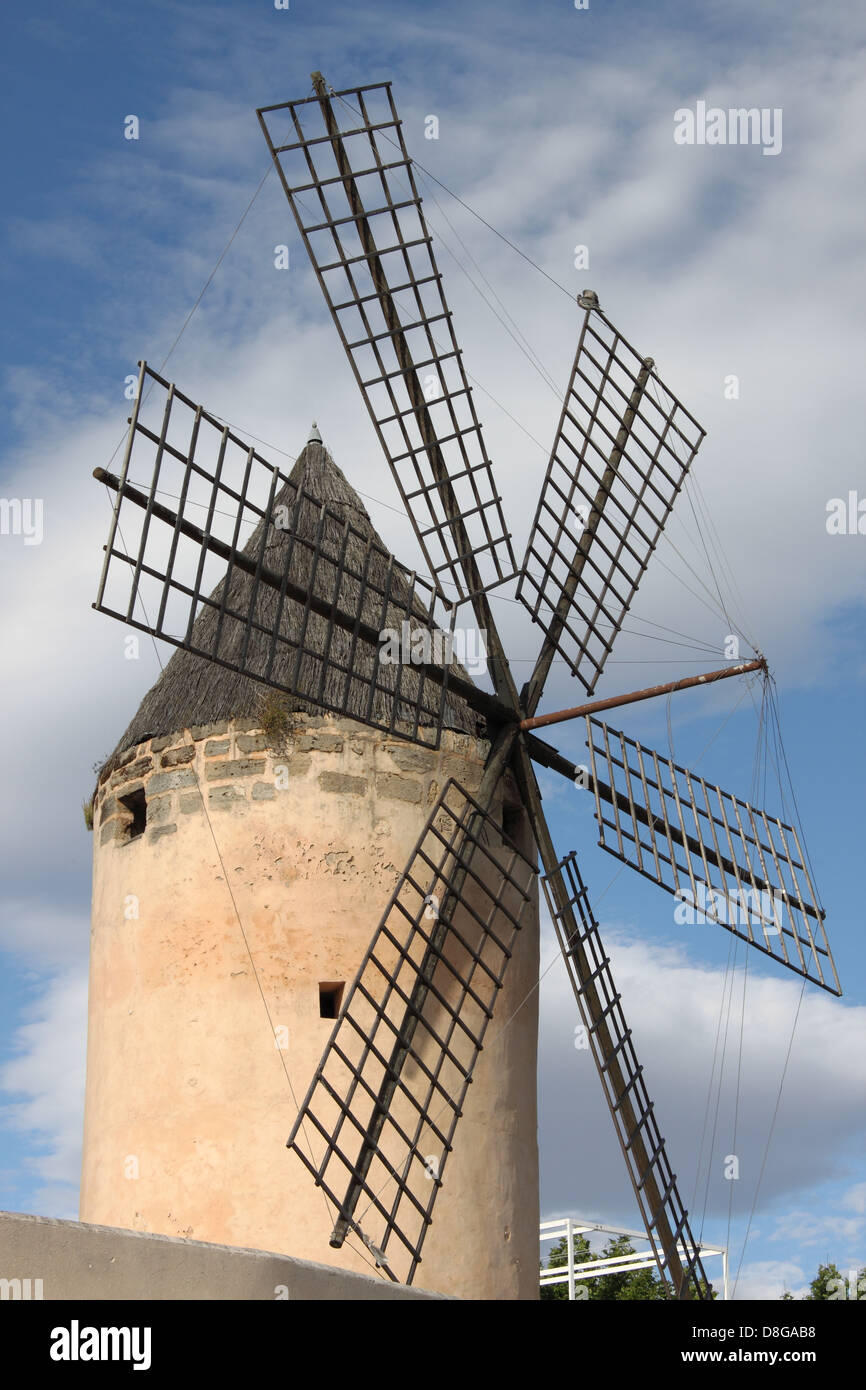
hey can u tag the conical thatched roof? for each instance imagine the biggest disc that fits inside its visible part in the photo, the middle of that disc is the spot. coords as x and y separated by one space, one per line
193 690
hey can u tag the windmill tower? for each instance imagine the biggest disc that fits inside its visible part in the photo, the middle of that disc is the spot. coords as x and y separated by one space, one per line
242 851
435 1024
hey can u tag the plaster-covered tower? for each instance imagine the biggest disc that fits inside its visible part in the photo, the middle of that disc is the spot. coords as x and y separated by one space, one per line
211 859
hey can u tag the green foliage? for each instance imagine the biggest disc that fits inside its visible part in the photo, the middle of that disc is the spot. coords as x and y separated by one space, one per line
87 808
635 1284
829 1286
824 1285
275 719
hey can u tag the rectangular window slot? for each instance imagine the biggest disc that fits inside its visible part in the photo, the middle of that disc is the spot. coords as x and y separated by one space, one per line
513 823
330 999
136 805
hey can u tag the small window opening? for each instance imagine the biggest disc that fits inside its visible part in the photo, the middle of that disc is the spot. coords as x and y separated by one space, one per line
136 804
330 999
513 823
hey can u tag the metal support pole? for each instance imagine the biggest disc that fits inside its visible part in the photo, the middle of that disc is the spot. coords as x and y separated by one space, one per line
614 701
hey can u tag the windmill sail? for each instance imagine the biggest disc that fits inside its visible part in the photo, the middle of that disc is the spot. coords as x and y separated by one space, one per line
654 1182
621 454
378 1121
350 183
308 600
724 859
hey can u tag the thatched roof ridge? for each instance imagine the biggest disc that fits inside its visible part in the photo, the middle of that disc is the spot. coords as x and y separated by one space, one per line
193 690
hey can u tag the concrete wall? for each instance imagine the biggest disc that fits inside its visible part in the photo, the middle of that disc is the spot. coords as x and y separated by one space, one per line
190 1095
76 1261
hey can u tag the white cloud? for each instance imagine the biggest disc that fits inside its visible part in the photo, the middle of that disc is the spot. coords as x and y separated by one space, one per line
672 1004
855 1198
769 1279
45 1080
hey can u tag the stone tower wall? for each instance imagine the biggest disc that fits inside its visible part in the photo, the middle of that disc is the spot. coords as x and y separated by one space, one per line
190 1095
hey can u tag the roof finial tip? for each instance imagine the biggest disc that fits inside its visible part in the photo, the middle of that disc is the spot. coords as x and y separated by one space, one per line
315 437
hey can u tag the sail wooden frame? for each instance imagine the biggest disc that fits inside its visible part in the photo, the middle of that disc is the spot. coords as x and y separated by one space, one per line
307 602
377 1124
622 451
724 859
351 186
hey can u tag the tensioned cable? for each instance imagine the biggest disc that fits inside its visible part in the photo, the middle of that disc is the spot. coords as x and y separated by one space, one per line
708 1101
513 331
243 217
728 986
719 1092
727 570
737 1098
775 706
769 1136
474 379
721 603
715 541
458 199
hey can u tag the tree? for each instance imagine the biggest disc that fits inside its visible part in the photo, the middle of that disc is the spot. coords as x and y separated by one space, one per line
829 1285
640 1284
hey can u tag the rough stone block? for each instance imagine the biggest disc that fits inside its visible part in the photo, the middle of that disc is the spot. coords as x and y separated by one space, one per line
246 726
232 767
112 831
264 791
200 731
132 771
343 782
217 748
164 741
410 759
253 743
175 756
397 788
190 801
170 781
158 810
109 808
160 830
319 743
126 757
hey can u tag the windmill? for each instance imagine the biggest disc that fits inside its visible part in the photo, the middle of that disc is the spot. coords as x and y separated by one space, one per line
380 1118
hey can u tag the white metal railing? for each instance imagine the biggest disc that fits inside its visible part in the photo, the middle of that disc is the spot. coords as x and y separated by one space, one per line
571 1226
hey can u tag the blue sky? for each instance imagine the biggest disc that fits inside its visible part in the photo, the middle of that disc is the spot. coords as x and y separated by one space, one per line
556 125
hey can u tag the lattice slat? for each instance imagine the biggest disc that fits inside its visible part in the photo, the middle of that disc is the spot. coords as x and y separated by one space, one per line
621 454
215 550
350 183
727 861
622 1077
378 1121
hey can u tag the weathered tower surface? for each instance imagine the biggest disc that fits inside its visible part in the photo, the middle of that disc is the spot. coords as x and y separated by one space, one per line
243 857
